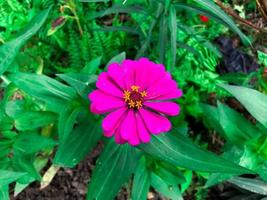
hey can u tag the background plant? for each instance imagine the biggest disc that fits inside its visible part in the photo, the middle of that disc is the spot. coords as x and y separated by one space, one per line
51 54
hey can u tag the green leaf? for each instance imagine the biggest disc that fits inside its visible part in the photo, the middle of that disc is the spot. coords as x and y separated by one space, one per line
141 181
34 119
237 129
181 151
252 185
9 50
211 118
92 66
168 190
28 143
23 162
67 119
7 177
4 194
78 144
45 89
80 82
254 101
113 169
212 7
117 59
173 30
262 57
117 9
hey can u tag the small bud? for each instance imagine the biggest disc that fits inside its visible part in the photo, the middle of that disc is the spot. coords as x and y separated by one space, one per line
204 19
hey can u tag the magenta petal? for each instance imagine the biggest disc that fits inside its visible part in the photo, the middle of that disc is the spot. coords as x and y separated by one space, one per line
174 94
142 130
154 122
119 139
128 127
112 120
115 72
102 103
129 72
167 108
148 72
106 85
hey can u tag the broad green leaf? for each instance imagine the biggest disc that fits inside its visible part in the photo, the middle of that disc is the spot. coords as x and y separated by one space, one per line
168 190
181 151
45 89
23 162
173 30
211 118
118 59
252 185
141 181
67 119
212 7
92 66
237 129
4 194
28 143
113 169
34 119
254 101
79 82
9 50
78 143
7 177
25 181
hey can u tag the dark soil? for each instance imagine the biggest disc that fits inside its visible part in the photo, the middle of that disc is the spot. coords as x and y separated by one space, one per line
68 184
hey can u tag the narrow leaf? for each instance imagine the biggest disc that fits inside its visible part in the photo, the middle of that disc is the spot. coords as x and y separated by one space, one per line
181 151
9 50
254 101
114 168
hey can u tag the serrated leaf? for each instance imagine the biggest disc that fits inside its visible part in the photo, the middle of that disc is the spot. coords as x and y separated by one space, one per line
78 144
114 168
254 101
9 50
180 151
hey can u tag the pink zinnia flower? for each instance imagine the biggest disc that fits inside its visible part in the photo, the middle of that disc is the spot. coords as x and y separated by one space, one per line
135 94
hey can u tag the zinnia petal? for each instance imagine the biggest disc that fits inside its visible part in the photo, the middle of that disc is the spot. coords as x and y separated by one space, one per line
115 73
154 122
167 108
112 120
100 104
128 129
142 130
105 84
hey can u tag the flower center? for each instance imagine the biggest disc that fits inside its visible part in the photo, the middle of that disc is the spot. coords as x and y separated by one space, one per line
134 98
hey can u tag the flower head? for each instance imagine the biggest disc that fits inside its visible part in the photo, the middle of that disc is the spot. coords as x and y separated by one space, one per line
204 18
136 95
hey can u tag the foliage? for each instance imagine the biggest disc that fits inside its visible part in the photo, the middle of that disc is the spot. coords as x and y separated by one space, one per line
50 55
